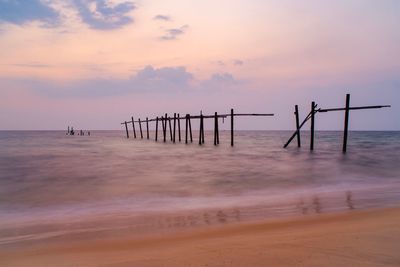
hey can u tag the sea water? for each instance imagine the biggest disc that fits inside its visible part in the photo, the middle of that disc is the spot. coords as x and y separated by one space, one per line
53 184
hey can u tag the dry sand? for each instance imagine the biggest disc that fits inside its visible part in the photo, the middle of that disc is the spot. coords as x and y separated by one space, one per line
366 238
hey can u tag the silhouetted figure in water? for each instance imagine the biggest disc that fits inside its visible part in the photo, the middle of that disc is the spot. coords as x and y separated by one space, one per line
72 131
88 133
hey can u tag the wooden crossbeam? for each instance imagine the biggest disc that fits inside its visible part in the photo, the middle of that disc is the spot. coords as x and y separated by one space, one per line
213 116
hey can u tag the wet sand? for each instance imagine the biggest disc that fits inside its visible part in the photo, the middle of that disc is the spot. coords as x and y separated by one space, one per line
355 238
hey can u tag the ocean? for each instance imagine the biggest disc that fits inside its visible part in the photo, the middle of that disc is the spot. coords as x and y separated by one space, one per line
53 185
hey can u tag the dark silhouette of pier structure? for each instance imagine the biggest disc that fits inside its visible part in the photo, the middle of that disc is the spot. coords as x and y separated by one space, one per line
174 126
312 114
167 122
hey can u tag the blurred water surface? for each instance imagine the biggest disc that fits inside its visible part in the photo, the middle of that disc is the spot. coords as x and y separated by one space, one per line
49 177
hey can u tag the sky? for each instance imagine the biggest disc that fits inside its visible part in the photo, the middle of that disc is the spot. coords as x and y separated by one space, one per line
92 64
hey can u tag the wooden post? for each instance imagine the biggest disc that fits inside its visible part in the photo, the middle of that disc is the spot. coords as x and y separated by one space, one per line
186 129
232 127
173 138
170 128
312 125
126 128
296 112
147 127
190 130
133 127
164 125
346 123
215 128
201 129
156 129
179 128
217 132
140 127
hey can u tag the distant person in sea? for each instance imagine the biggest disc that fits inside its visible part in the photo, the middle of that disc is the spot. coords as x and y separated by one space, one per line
72 131
88 133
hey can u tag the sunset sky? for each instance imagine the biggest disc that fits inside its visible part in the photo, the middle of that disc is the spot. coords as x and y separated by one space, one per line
95 63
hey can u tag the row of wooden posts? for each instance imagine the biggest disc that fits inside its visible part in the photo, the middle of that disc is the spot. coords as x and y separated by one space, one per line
314 111
166 121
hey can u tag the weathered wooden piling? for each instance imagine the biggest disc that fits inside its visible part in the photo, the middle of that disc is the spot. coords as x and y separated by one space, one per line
133 127
173 138
312 125
216 130
140 127
179 128
232 127
164 126
190 130
297 131
296 112
156 137
126 128
186 128
170 128
201 131
346 123
147 128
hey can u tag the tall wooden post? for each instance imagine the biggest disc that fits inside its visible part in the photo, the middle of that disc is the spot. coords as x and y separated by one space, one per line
147 127
173 138
217 132
346 123
140 127
179 128
190 130
156 129
215 128
164 125
133 127
201 129
126 128
170 128
296 112
186 129
232 127
312 125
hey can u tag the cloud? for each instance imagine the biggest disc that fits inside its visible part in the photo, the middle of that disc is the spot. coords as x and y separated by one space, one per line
172 34
150 78
102 15
162 17
221 79
162 81
21 11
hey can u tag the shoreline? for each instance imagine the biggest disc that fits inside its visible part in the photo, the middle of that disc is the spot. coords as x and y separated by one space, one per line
353 238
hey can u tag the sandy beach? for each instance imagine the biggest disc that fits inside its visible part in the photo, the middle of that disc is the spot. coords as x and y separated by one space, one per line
357 238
